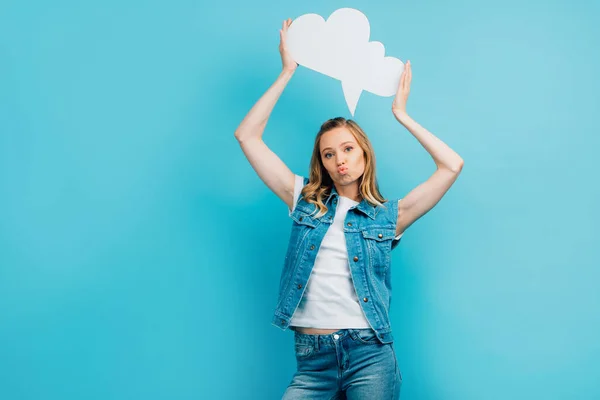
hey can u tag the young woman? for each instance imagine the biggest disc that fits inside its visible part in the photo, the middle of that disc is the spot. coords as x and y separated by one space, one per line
342 234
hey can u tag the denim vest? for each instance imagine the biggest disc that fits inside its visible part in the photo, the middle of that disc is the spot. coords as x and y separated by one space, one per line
369 232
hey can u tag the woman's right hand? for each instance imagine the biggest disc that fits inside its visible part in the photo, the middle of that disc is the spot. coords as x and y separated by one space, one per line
286 59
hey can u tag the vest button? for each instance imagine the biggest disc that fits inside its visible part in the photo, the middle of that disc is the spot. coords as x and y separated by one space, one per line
300 219
380 236
312 247
300 286
365 299
349 223
283 322
355 258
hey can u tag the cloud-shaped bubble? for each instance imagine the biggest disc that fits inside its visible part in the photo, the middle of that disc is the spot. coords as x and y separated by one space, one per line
340 48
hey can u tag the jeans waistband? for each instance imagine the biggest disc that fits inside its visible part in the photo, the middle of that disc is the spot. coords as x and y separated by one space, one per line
328 339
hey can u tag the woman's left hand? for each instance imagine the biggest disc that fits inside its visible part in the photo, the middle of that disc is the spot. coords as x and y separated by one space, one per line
399 104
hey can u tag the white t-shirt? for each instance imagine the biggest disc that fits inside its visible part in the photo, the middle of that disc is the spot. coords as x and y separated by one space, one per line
329 300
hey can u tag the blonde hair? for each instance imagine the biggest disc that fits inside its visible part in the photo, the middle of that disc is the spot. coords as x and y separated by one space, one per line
320 183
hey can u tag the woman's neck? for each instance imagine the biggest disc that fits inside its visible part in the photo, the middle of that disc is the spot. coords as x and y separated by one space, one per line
349 191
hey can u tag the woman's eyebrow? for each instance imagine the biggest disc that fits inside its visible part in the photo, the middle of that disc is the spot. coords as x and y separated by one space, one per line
329 148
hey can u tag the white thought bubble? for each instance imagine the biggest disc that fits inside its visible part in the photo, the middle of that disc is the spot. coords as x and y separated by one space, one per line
340 48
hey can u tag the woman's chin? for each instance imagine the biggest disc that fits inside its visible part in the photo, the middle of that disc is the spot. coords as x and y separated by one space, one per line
345 179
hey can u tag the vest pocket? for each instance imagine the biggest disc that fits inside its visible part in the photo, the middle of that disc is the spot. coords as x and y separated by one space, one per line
379 234
301 217
379 243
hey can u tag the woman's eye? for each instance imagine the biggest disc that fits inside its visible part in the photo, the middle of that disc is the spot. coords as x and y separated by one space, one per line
327 155
349 148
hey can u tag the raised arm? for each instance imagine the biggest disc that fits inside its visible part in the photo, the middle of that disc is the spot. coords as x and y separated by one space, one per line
269 167
449 164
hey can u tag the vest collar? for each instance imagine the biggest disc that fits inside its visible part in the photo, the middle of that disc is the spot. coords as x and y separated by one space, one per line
363 206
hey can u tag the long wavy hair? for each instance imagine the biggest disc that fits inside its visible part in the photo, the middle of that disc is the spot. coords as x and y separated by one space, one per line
320 183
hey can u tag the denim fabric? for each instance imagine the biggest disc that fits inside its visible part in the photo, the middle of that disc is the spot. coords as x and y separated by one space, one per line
369 232
348 364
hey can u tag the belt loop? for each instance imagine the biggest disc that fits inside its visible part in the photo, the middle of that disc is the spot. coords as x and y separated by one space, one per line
317 342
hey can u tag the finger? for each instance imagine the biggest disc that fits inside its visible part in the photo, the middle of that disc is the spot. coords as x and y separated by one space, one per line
282 38
401 84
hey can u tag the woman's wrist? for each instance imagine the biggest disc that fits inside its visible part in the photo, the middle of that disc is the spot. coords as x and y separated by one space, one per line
401 116
287 73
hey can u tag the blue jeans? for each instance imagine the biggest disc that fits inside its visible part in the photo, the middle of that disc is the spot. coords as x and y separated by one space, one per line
348 364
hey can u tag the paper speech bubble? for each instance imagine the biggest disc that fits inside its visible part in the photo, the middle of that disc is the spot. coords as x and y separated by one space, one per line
340 48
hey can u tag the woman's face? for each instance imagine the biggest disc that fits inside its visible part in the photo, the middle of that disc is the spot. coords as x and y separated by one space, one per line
342 156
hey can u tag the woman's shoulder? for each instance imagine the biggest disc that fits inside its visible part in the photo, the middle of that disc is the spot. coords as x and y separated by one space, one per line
299 183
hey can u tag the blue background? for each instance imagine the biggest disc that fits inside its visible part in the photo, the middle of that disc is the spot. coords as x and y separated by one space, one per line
140 254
